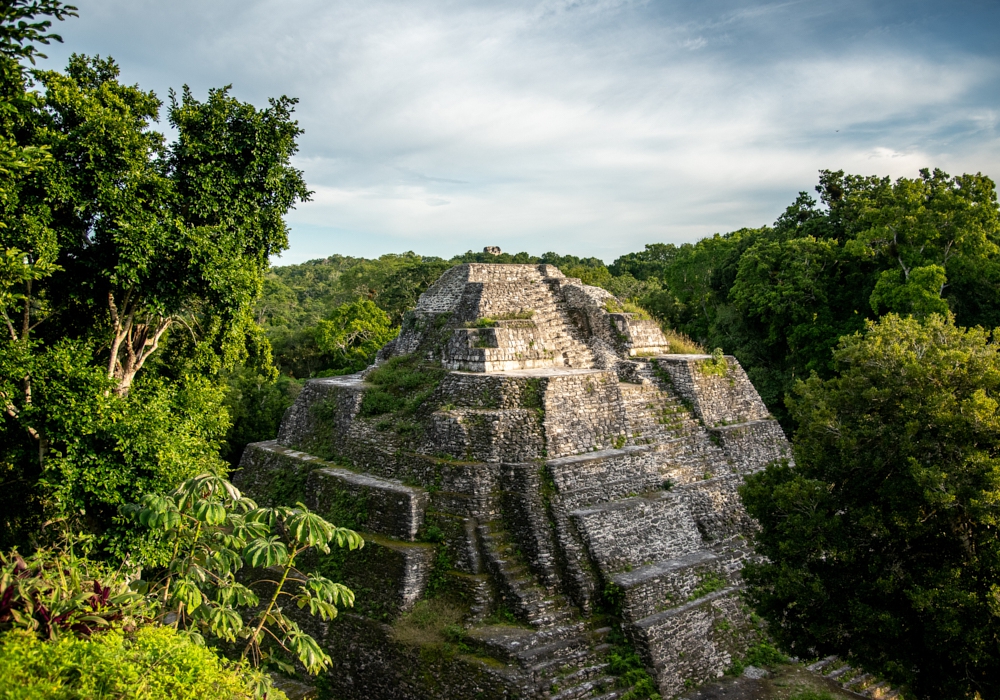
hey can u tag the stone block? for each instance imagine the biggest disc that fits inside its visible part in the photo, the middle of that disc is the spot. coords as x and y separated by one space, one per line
387 576
275 475
665 584
630 533
378 505
695 642
717 399
716 508
583 412
605 475
752 446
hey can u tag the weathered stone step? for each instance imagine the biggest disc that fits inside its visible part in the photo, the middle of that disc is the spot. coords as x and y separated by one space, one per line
584 673
605 475
509 643
617 693
821 664
634 532
555 654
392 509
585 689
686 638
535 604
665 584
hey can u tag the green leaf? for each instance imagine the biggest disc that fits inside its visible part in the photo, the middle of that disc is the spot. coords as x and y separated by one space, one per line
262 553
348 538
309 528
188 593
226 623
210 512
308 651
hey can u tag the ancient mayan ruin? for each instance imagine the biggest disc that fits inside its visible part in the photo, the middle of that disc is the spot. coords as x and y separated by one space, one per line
529 455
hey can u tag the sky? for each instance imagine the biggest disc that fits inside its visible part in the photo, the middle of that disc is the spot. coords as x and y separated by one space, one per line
590 127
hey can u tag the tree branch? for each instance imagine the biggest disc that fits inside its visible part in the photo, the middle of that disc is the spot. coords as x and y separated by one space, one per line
10 325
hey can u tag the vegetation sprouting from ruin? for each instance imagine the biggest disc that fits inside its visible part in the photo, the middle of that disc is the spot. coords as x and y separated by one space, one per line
147 340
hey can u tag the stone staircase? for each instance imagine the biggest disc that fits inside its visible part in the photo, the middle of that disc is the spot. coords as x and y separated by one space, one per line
853 680
653 415
567 662
547 339
524 596
656 415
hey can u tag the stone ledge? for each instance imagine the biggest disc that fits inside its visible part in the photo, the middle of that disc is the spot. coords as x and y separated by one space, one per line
393 509
656 618
599 455
635 531
661 568
664 584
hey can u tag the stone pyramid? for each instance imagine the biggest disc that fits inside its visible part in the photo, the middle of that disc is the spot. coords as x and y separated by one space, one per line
528 463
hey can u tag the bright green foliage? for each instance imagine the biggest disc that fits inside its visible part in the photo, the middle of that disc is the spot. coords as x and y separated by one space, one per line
18 34
212 530
255 404
353 333
78 450
402 385
881 543
151 663
393 282
631 673
594 276
57 591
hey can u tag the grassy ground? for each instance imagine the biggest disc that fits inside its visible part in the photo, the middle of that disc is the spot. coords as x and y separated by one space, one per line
784 682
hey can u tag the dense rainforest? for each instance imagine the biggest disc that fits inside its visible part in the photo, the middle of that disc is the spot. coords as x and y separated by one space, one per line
147 338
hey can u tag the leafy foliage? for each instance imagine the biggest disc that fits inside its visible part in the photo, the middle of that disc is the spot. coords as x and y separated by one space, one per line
92 448
148 664
213 531
56 591
115 247
880 544
402 385
631 673
352 334
779 298
18 35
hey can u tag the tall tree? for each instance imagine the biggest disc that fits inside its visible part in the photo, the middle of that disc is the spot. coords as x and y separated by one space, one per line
880 543
115 245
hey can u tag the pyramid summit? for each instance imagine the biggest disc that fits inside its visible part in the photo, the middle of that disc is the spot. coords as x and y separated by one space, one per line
541 484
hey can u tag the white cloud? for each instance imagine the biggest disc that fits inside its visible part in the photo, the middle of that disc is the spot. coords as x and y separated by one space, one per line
586 127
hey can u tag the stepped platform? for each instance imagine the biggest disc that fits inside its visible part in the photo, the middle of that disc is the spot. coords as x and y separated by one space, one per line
564 465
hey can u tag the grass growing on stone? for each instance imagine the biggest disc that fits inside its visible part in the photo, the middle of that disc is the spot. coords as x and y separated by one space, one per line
401 386
716 366
625 663
491 321
502 616
763 654
710 582
430 624
614 306
681 344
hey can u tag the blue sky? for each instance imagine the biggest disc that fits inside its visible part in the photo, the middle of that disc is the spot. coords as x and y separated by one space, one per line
584 127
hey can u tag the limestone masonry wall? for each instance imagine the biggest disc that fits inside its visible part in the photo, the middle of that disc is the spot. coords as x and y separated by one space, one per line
563 465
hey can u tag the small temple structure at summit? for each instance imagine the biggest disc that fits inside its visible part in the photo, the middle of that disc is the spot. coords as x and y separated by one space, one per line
540 483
